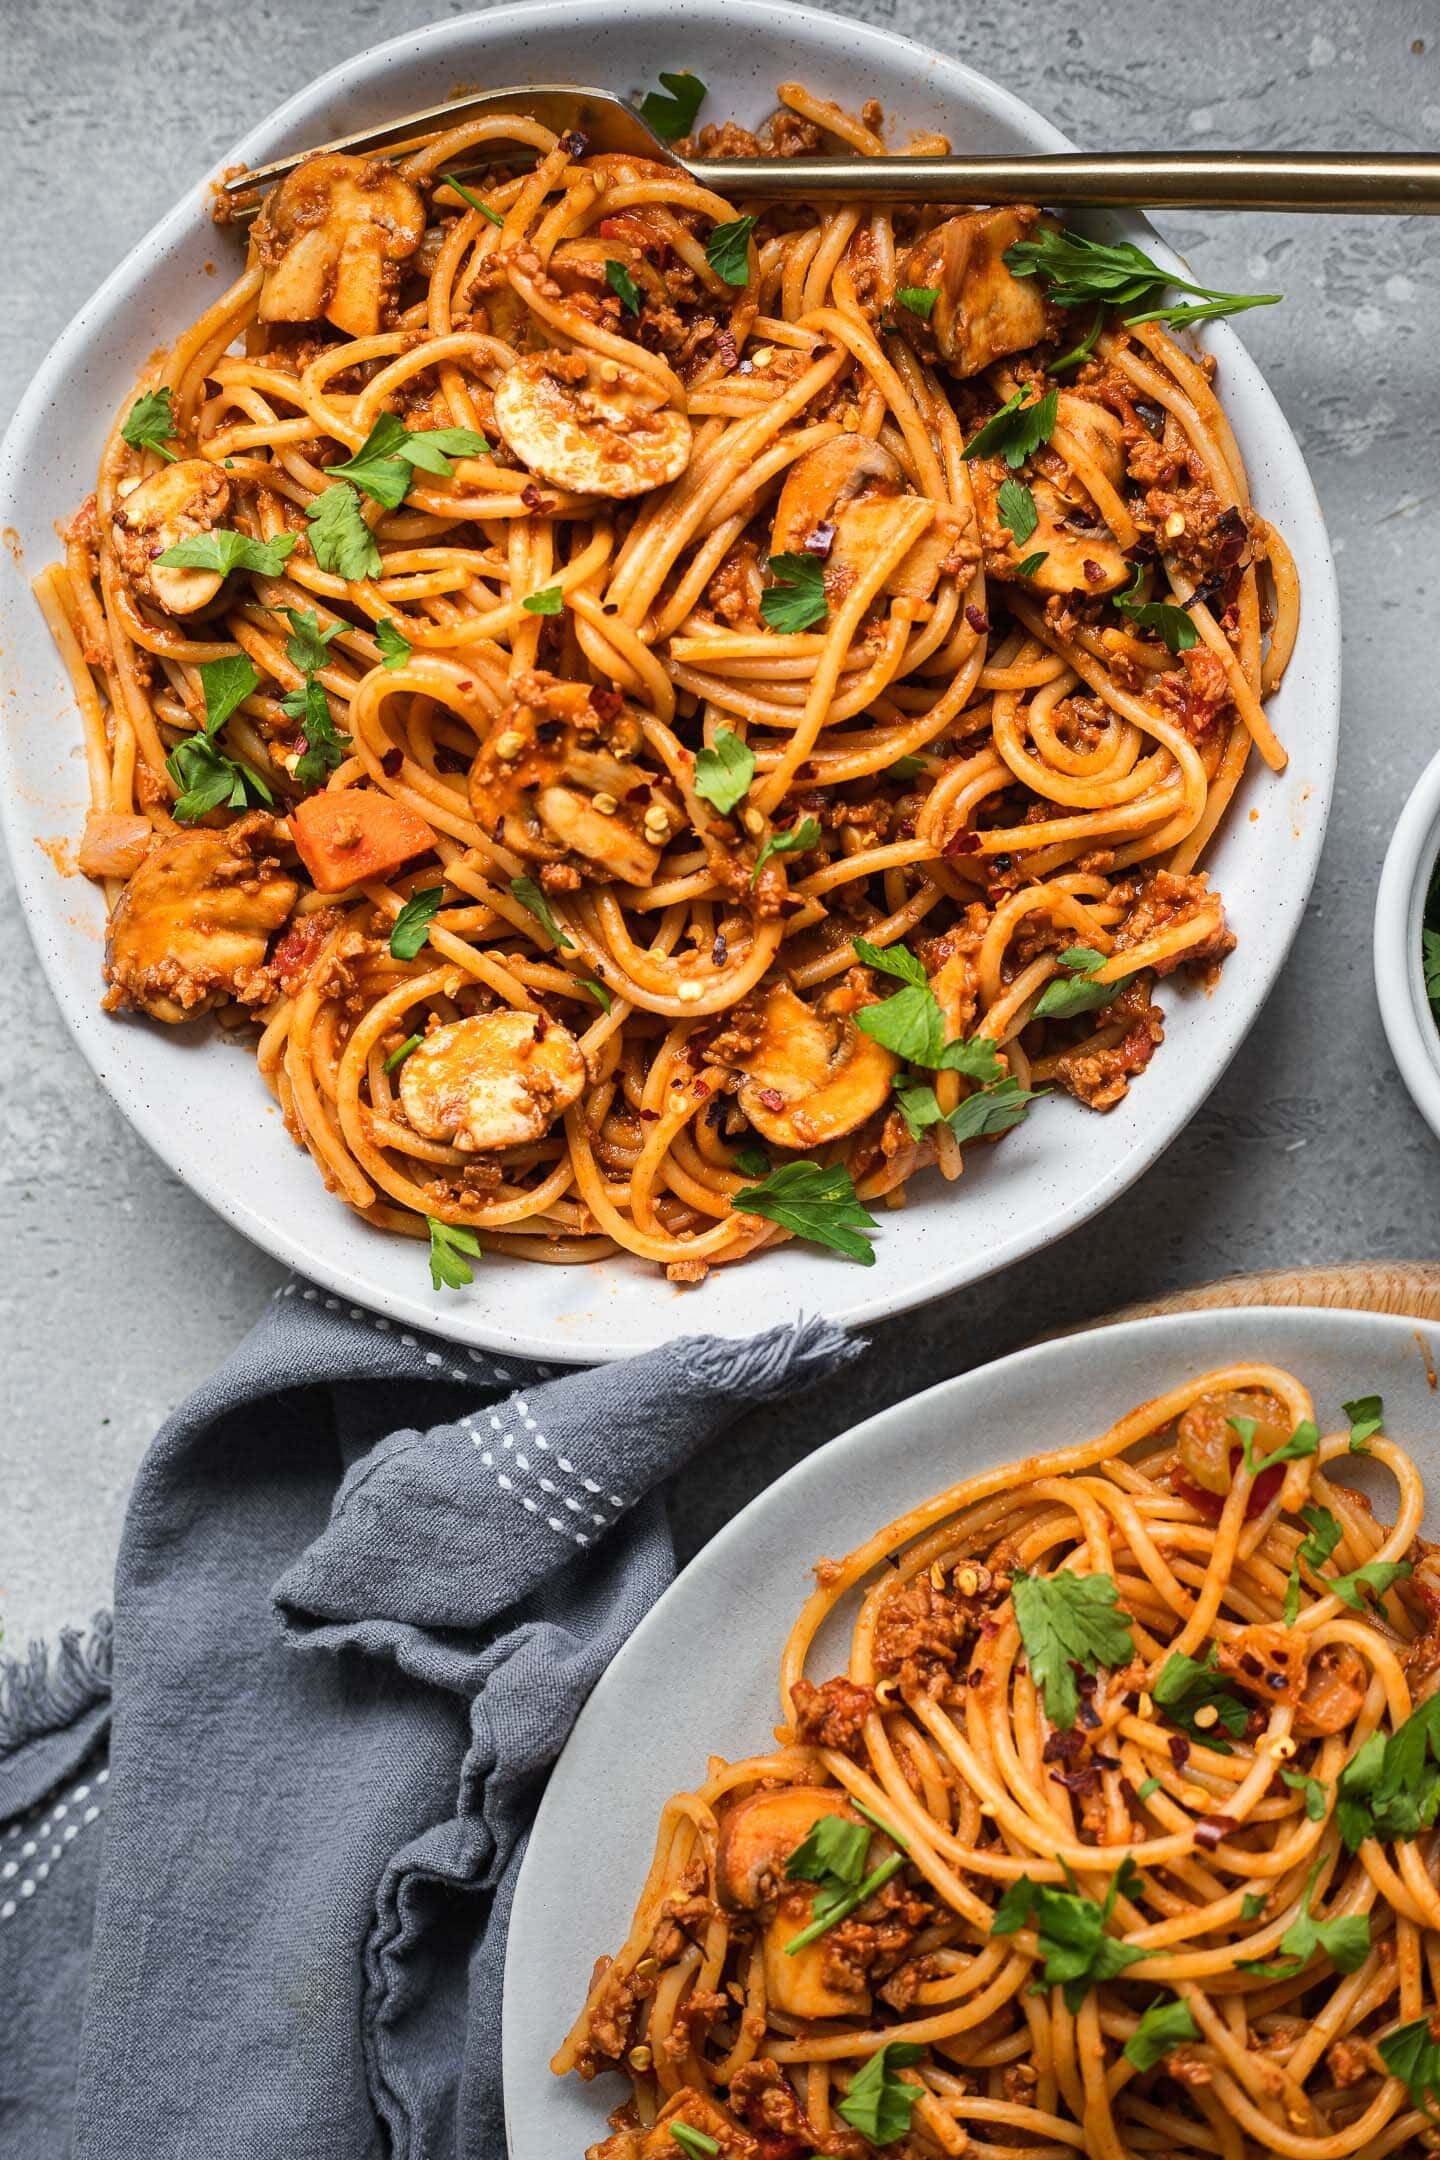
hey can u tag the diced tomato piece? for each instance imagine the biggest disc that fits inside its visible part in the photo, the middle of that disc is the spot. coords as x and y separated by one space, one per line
349 834
1211 1505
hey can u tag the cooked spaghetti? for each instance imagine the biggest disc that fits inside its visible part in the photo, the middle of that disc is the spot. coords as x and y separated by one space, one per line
1116 1835
552 650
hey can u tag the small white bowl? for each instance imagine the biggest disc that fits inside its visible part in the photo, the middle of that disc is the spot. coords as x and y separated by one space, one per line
1399 918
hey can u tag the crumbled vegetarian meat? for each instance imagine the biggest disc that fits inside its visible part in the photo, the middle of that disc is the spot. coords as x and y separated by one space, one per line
1351 2061
1423 1655
700 2009
925 1628
737 1039
860 1951
297 951
1101 1078
610 2026
1164 902
1188 2068
765 2102
687 1271
734 591
832 1715
1196 693
560 877
1207 540
902 1989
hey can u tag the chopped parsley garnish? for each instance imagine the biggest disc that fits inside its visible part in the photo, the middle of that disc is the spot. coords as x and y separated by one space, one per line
340 540
1163 2027
788 840
833 1858
1032 563
673 116
1147 1786
398 1057
598 991
1367 1417
205 775
411 927
224 550
384 464
992 1110
1377 1576
1412 2054
724 770
911 1025
905 768
618 278
813 1202
325 748
550 600
150 423
1065 1621
1314 1550
1173 624
530 896
1430 961
1253 1904
1316 1803
1345 1941
693 2143
491 217
1305 1440
226 684
1078 1953
395 650
1075 992
918 300
1082 273
879 2104
449 1247
1016 506
1083 350
752 1162
1016 429
308 646
796 598
1185 1686
728 250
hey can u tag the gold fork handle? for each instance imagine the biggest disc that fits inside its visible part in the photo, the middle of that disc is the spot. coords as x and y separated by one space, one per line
1392 184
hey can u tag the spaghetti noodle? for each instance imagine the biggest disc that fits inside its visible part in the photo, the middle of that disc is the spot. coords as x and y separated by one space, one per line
1115 1837
551 656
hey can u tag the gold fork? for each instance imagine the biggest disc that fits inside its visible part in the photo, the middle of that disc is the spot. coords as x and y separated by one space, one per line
1387 184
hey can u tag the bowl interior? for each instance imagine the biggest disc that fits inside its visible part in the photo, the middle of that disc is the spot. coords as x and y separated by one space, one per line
201 1105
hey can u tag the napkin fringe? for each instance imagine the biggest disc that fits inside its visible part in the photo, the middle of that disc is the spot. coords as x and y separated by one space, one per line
47 1689
771 1362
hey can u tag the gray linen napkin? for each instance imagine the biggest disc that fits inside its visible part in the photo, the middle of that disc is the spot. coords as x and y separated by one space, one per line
265 1919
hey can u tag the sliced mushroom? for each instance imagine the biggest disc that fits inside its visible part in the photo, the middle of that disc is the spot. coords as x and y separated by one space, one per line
332 238
193 924
840 502
756 1843
114 843
1078 553
591 425
189 497
813 1075
547 782
497 1080
981 311
1208 1444
1098 431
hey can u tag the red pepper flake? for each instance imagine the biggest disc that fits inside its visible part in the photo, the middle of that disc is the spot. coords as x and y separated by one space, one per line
1127 1792
638 794
726 347
700 1088
606 701
719 951
467 684
772 1099
650 1117
531 496
963 842
978 620
1179 1750
1094 575
820 541
572 144
1210 1829
391 763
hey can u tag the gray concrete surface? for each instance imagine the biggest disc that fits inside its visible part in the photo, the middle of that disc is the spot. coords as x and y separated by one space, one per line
118 1290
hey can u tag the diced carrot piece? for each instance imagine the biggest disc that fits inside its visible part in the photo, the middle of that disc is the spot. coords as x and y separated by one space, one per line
349 834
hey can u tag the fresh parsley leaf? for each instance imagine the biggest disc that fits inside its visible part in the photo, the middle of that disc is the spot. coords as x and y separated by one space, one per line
1253 1904
1017 510
1080 272
815 1203
224 550
909 1024
1367 1417
1163 2027
905 768
836 1900
1067 1620
1376 1575
1016 430
1324 1535
376 468
752 1162
598 991
491 217
693 2143
1412 2054
325 747
208 779
150 423
411 927
1078 1953
992 1110
1390 1789
1305 1440
896 960
1032 563
788 840
1173 624
1316 1805
674 116
1074 992
1344 1940
340 540
395 650
1430 961
550 600
449 1246
879 2104
1147 1786
308 646
728 250
918 299
723 771
796 598
398 1057
530 896
1083 350
1185 1686
835 1848
618 278
225 684
432 449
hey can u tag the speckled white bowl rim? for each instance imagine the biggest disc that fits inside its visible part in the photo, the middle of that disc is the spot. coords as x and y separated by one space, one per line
201 1107
700 1673
1405 1010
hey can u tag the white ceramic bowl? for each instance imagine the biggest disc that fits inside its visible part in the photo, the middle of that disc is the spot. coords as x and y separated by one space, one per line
1407 1014
200 1105
700 1675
